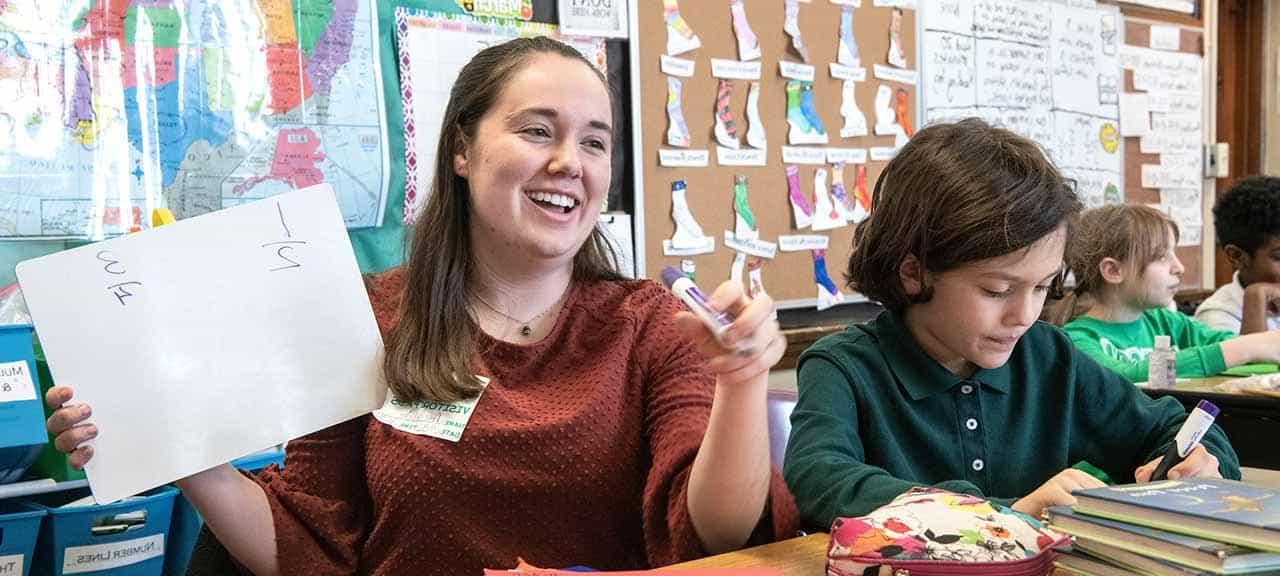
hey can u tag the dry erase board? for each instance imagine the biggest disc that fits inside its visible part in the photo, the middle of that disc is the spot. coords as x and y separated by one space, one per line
208 339
788 277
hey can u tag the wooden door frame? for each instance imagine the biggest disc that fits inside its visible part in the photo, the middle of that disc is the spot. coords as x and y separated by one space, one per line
1241 56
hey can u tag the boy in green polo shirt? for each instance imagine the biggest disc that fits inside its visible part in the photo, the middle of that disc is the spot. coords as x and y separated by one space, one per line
956 384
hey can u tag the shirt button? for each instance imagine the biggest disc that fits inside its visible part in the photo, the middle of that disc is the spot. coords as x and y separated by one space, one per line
978 465
971 424
966 389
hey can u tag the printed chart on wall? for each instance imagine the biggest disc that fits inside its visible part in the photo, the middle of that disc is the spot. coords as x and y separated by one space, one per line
433 46
109 109
1053 79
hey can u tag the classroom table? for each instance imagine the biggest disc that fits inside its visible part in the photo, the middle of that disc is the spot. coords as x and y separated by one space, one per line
802 556
1251 421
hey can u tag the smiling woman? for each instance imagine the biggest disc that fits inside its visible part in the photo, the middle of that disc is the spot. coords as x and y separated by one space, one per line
540 405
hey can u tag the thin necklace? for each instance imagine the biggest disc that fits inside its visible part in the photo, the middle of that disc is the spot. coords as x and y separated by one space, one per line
525 329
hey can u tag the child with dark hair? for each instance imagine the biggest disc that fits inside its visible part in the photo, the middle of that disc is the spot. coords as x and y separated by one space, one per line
957 385
1247 220
1123 257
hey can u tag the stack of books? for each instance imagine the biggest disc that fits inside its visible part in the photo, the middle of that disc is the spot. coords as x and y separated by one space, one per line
1174 528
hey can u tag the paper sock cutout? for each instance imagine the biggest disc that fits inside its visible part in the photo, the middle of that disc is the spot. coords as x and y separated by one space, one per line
755 279
855 122
735 270
862 208
840 197
825 215
828 294
677 130
887 116
847 51
897 57
901 111
791 24
680 37
689 268
811 114
748 45
755 127
688 233
801 130
726 132
744 221
800 208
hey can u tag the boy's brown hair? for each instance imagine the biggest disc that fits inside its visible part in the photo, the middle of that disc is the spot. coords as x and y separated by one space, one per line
956 193
1133 234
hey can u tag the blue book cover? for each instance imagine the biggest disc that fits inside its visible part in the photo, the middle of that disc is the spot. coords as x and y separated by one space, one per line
1212 508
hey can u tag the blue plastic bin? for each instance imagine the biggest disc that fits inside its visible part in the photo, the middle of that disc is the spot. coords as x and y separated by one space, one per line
126 538
187 522
19 526
22 430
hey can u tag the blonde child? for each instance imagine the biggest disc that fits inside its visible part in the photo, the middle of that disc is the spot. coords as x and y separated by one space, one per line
1123 258
956 384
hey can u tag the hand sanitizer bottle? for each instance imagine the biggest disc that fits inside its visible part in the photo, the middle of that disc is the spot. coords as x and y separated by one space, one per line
1161 364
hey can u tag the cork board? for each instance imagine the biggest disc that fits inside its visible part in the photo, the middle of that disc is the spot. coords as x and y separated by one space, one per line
789 277
1191 41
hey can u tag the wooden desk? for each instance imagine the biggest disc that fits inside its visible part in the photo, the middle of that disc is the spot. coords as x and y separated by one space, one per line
1252 422
803 556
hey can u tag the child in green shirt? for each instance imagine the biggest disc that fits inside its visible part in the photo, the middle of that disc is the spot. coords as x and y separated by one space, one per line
957 385
1123 257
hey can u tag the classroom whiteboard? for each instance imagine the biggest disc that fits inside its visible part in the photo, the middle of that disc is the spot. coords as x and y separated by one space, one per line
210 338
1046 70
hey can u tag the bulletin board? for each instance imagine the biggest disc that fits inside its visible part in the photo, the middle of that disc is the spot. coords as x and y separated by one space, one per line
1184 204
789 277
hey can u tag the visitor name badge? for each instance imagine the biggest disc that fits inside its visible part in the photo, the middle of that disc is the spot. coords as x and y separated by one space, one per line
442 420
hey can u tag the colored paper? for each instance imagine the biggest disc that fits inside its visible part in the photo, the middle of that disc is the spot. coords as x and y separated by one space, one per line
800 209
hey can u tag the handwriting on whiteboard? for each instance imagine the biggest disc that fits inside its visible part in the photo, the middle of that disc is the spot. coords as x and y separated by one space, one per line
116 269
287 261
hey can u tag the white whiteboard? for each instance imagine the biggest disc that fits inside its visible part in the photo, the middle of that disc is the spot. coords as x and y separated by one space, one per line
1046 70
210 338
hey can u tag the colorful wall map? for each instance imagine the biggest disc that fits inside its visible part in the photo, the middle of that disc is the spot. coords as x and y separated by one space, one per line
109 108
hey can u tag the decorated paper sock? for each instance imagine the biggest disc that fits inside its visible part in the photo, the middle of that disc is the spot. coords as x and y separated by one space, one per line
677 130
897 57
726 132
755 127
680 37
863 207
839 197
855 122
902 112
688 233
800 208
735 270
828 294
801 131
748 45
847 52
689 268
810 113
744 221
886 115
791 24
755 283
825 214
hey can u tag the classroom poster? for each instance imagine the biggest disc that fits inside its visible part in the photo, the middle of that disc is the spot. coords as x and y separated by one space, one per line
111 109
1055 80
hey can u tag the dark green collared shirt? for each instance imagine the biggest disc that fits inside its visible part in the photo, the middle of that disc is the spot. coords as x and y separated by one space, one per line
877 415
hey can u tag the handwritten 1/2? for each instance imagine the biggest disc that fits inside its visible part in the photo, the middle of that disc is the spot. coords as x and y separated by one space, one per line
284 245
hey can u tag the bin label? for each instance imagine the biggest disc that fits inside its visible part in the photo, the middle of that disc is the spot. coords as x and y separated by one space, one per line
15 382
11 565
95 557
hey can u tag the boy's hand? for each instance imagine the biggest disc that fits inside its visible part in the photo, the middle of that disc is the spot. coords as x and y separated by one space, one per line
1056 491
1199 463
